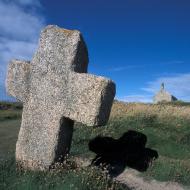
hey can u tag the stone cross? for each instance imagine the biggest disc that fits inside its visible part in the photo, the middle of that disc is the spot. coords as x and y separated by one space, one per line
56 91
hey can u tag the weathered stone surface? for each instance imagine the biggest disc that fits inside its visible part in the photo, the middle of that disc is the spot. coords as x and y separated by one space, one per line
163 96
56 91
18 79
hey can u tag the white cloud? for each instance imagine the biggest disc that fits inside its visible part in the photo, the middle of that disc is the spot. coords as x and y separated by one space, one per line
16 49
173 62
17 23
178 85
20 28
29 2
137 98
127 67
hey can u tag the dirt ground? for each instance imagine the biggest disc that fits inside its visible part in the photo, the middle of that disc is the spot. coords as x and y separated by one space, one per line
133 181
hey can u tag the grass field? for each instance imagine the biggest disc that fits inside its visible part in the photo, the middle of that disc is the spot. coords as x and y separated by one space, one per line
167 127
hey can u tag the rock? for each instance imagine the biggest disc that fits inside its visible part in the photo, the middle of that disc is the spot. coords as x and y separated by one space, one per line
56 91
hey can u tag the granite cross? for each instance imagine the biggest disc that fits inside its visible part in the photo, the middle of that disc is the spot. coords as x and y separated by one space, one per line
56 91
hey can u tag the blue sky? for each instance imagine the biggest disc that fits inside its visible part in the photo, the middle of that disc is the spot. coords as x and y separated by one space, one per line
136 43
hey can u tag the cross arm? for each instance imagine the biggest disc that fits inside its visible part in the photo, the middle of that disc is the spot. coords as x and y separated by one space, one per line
17 82
90 99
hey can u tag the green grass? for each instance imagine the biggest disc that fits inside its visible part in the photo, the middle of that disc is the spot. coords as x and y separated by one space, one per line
9 115
10 105
170 142
8 136
168 134
68 177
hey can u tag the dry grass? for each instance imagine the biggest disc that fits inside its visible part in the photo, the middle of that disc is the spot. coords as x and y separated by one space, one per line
121 109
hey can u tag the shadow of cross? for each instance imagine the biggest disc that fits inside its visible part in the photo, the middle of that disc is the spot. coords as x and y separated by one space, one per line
56 91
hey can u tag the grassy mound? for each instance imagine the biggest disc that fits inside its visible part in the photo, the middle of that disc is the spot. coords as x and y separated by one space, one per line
167 128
